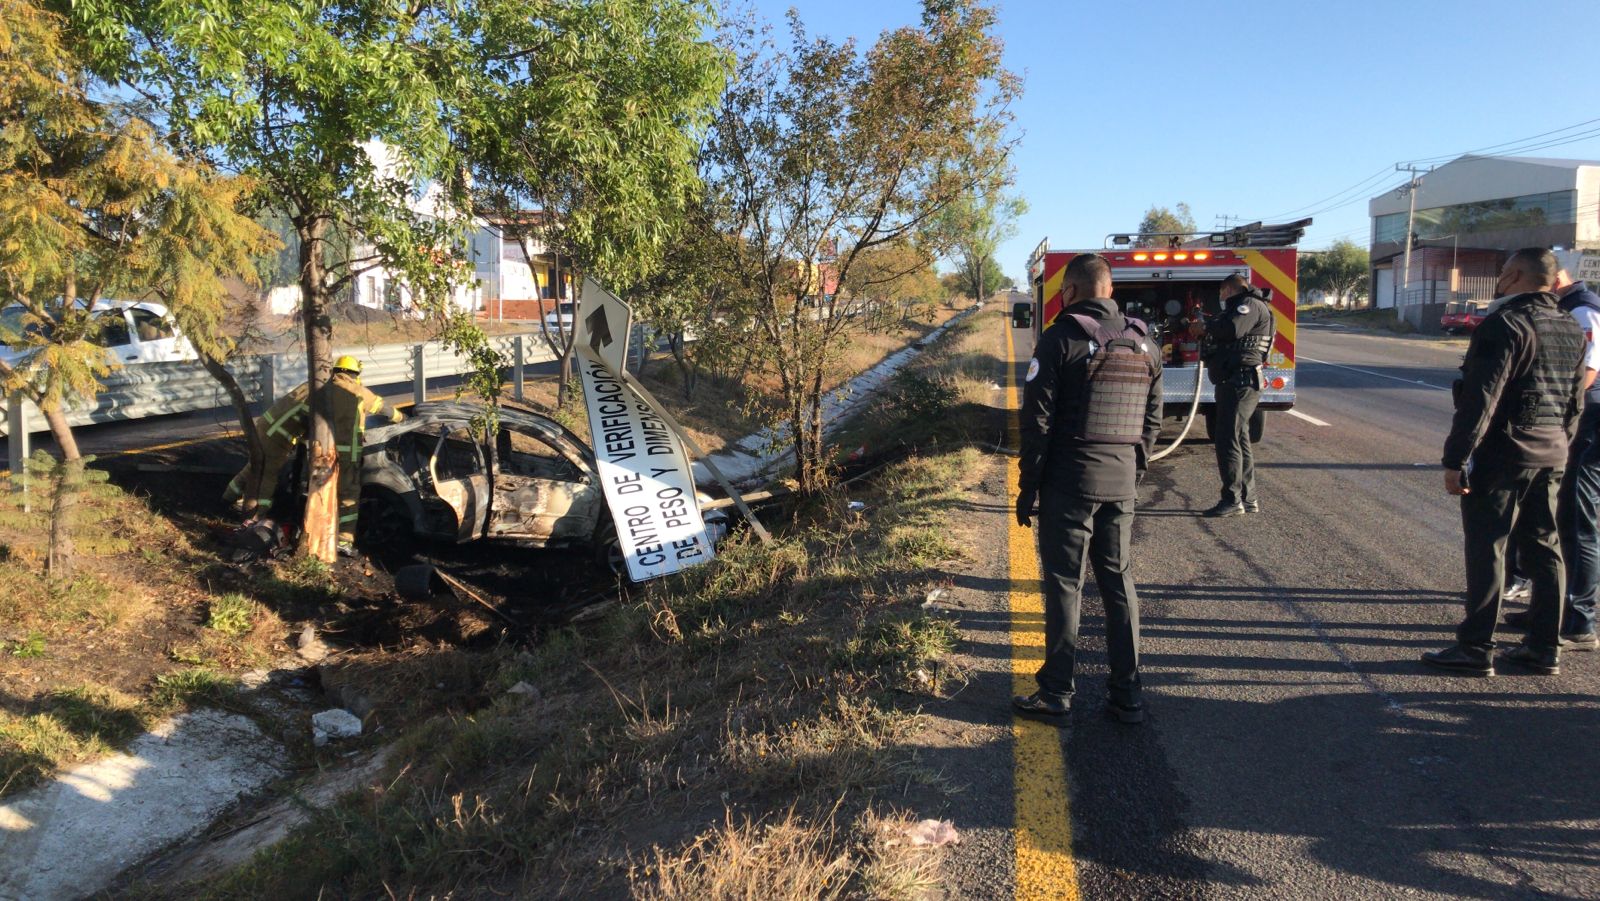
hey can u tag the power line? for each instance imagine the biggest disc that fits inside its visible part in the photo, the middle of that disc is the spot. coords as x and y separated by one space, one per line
1506 144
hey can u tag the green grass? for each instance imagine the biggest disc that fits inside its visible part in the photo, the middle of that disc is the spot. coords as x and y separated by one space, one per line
30 648
231 614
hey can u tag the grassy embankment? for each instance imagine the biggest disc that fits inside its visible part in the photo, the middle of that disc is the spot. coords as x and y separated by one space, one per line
741 730
724 410
1377 320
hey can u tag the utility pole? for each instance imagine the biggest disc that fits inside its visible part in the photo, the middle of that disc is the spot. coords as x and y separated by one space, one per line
1410 190
1226 221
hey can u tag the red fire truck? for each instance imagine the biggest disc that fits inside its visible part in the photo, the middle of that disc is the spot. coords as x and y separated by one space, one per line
1170 281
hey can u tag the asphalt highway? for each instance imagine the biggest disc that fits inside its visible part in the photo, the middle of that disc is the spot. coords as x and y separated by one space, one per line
1295 746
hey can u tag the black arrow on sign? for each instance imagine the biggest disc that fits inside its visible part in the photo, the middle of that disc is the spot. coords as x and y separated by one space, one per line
599 329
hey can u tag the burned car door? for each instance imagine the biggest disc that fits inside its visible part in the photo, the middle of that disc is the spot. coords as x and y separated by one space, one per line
458 501
542 494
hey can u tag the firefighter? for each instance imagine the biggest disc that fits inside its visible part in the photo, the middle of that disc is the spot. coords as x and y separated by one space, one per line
349 405
1238 340
281 428
1085 483
1521 386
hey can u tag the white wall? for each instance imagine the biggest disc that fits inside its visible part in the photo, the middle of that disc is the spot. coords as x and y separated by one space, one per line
1383 289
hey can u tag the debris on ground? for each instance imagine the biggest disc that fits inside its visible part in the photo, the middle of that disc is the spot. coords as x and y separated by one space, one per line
310 646
933 598
523 688
334 724
933 833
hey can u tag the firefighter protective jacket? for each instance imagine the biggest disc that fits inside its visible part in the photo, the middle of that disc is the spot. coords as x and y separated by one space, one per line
349 405
1240 336
1521 388
1052 458
285 421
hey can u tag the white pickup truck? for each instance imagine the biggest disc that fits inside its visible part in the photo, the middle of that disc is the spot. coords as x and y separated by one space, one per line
132 333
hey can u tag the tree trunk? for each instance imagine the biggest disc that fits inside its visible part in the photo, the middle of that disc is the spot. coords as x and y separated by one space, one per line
69 481
319 536
241 409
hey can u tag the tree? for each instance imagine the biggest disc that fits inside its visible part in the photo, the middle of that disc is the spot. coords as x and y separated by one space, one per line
822 153
365 118
598 134
899 274
92 208
965 279
1160 220
1341 271
976 226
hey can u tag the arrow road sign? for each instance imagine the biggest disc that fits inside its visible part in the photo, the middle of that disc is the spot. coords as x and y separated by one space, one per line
603 325
599 331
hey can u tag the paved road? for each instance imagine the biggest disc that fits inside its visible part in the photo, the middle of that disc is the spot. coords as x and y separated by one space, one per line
1296 748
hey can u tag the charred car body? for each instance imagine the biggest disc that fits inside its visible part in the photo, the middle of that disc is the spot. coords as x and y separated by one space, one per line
532 483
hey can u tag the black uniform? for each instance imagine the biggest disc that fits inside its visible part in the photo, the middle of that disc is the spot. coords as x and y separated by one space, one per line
1517 401
1239 338
1086 500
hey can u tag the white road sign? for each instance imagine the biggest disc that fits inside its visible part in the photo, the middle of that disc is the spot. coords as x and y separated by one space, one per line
645 474
604 323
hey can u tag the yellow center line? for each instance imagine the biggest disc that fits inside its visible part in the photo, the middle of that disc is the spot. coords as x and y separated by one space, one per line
1045 866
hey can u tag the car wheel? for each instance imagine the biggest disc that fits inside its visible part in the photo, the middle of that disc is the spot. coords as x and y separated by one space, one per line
608 549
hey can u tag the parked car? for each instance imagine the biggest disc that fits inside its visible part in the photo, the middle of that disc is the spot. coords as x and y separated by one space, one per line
562 317
533 484
1462 316
132 333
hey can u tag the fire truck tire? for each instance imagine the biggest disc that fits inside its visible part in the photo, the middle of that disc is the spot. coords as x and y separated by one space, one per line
1210 413
1258 425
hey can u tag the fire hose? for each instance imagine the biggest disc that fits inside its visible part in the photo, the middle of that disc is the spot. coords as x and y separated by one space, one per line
1194 409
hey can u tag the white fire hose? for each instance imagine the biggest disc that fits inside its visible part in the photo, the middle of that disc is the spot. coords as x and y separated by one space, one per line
1194 408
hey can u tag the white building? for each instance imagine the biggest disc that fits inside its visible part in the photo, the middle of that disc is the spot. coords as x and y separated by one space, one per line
1471 213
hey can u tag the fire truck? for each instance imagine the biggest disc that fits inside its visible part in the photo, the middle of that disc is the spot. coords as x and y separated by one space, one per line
1170 281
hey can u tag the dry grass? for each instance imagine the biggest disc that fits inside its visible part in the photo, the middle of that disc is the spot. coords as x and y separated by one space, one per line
791 859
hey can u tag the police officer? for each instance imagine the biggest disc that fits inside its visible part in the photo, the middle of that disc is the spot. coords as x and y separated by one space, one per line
1578 505
281 427
1521 386
349 405
1238 340
1086 491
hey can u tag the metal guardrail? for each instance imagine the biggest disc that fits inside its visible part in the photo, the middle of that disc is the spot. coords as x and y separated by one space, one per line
160 389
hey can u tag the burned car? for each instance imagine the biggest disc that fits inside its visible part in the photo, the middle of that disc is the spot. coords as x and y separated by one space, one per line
532 483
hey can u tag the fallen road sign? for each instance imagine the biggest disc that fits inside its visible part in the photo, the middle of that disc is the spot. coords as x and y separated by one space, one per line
646 477
603 326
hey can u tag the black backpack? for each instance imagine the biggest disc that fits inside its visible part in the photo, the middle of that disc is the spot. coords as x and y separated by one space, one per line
1116 387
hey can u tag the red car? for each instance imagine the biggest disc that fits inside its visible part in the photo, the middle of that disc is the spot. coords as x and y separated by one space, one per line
1461 317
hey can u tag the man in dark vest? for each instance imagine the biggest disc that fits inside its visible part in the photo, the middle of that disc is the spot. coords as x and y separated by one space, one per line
1517 401
1238 340
1078 461
1579 502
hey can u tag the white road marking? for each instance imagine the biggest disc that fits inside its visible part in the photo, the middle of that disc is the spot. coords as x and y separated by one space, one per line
1380 375
1311 419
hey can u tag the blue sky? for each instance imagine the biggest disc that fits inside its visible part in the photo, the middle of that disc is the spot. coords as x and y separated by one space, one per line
1256 108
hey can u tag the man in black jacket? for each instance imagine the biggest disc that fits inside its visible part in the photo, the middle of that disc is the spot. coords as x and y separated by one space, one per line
1238 341
1087 492
1521 386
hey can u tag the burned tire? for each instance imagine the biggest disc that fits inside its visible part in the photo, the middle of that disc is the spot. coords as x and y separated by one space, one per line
607 549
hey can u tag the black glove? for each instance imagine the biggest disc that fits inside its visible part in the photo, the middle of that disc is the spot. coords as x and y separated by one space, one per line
1025 507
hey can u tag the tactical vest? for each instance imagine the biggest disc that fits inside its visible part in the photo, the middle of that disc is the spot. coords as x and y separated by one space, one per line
1254 347
1117 377
1544 393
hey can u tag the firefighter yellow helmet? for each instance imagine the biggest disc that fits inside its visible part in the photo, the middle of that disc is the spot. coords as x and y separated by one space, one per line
348 364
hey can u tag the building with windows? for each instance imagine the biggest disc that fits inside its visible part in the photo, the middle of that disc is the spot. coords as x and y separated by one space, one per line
1471 213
